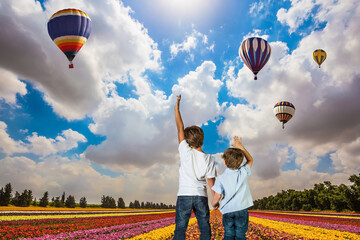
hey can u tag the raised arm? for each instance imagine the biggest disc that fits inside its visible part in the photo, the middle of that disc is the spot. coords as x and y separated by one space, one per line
238 144
178 120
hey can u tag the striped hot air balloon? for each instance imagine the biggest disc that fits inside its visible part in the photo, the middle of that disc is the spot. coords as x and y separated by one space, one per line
284 111
69 29
319 56
255 52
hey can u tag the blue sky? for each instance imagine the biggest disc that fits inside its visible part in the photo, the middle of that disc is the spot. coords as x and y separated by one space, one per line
107 125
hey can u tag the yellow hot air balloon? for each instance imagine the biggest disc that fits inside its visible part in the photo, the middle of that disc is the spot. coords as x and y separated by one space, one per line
319 56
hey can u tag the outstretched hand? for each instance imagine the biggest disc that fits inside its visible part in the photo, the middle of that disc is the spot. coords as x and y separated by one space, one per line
178 98
237 143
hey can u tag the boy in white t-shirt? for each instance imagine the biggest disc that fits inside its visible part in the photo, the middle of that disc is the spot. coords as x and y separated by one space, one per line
196 168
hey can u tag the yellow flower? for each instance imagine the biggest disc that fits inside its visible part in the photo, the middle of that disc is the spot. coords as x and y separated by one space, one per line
161 233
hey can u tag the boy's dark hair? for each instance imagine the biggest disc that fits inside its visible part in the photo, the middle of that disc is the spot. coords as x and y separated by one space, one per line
233 158
194 136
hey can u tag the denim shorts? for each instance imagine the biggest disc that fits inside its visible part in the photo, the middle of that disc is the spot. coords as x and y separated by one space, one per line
236 224
184 206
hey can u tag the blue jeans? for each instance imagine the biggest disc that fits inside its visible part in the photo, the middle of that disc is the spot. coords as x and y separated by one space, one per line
236 224
199 205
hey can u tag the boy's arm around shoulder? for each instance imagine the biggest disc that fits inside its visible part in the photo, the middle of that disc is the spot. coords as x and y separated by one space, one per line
178 120
238 144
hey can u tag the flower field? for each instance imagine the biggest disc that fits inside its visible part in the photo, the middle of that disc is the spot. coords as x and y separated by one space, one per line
141 224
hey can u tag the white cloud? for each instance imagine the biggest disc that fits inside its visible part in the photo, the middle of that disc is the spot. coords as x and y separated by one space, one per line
190 43
256 33
141 132
10 85
44 146
39 145
7 144
299 12
256 8
347 157
118 47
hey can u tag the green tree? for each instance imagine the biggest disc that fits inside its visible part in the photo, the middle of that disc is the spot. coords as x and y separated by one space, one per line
136 204
16 199
121 203
131 205
354 193
62 201
83 202
44 201
5 195
108 202
57 202
70 202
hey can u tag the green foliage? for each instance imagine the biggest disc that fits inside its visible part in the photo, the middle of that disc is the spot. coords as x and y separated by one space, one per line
83 202
70 202
57 202
136 204
324 196
5 195
22 200
44 201
108 202
121 203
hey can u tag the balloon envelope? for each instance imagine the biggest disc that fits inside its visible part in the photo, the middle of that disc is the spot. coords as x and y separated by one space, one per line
255 52
319 56
284 111
69 29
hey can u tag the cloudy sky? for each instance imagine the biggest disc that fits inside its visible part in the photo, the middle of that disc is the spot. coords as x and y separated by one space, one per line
107 126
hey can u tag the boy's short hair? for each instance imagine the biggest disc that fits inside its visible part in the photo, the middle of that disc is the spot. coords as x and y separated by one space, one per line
233 158
194 136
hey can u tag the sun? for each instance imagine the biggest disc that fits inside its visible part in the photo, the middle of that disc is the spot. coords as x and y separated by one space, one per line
187 8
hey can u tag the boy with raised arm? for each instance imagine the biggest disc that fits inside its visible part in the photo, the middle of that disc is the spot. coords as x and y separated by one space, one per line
232 184
196 168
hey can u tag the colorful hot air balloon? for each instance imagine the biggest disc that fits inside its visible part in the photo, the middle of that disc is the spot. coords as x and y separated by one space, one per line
319 56
69 29
255 52
284 111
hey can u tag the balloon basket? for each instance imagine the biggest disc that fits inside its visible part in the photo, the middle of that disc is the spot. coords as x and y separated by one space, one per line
71 65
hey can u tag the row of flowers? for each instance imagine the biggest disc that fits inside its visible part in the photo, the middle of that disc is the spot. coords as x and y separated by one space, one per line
53 216
304 230
41 227
316 214
35 213
340 227
113 232
310 218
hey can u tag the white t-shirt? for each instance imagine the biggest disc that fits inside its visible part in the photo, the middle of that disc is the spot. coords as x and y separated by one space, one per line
195 167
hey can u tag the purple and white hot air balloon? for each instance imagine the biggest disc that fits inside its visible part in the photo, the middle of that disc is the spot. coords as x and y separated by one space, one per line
255 52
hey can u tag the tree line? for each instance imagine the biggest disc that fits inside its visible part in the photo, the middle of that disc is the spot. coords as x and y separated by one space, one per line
323 196
109 202
25 199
